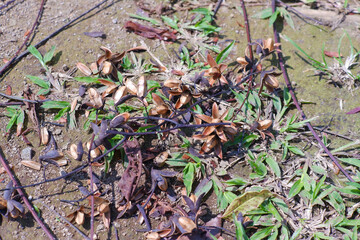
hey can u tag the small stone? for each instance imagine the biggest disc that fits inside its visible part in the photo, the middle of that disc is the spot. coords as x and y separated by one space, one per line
99 228
65 67
27 153
115 21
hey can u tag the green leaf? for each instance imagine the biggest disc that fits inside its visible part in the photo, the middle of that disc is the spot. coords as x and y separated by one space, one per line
61 113
224 53
296 150
240 231
49 55
273 17
55 104
274 166
87 79
188 177
247 202
21 117
11 122
36 53
43 92
170 22
38 81
153 21
263 233
236 182
287 17
295 235
351 161
296 188
266 13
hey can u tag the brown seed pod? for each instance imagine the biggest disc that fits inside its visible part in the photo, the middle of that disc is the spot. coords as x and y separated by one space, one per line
271 81
131 87
84 69
162 183
264 124
160 159
31 164
95 152
44 136
73 151
153 236
107 68
142 87
121 92
73 104
187 224
95 98
94 68
119 119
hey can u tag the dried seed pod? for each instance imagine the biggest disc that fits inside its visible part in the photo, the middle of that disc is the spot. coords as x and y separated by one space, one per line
3 203
73 104
160 159
131 87
80 218
172 83
119 119
271 81
142 87
153 236
187 224
52 154
95 152
162 183
44 136
264 124
31 164
95 98
62 162
84 69
94 68
107 68
73 151
121 92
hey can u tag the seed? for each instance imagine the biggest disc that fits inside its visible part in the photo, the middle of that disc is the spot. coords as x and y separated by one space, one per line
107 68
44 136
264 124
31 164
187 224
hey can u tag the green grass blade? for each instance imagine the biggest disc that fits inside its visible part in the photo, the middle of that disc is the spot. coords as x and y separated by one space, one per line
151 20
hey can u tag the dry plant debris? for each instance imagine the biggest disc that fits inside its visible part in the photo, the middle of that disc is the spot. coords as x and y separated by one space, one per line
175 135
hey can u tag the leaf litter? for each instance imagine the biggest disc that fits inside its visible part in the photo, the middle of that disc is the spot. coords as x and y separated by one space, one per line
136 119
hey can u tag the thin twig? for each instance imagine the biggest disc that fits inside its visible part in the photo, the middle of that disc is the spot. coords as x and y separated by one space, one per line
43 41
64 219
91 189
18 98
7 4
247 27
12 60
291 90
23 196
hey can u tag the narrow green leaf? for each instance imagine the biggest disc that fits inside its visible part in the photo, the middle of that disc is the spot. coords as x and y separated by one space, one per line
296 150
274 166
261 234
224 53
170 22
11 122
151 20
36 53
49 55
188 177
266 13
273 17
87 79
295 235
61 113
38 81
55 104
236 182
296 188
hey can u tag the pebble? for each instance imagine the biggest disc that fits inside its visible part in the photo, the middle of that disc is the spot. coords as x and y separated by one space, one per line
27 153
99 228
115 21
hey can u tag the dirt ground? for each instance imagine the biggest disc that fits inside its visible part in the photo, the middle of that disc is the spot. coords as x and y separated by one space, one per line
72 46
